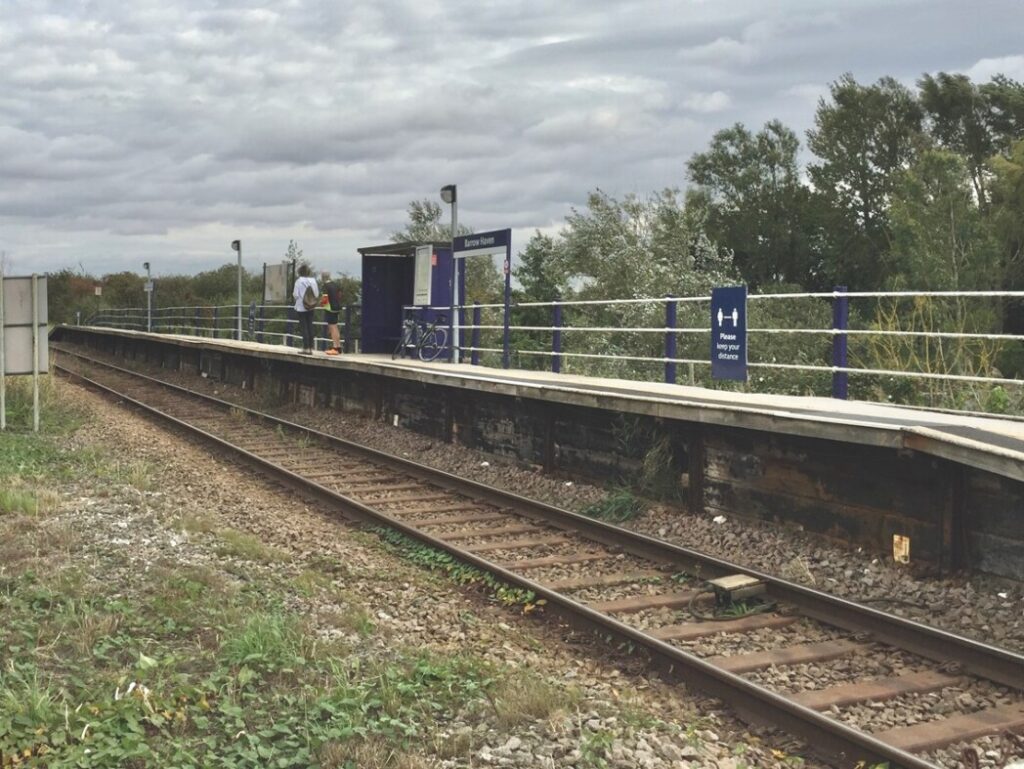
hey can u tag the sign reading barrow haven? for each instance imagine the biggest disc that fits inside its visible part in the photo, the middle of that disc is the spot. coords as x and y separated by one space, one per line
481 243
729 333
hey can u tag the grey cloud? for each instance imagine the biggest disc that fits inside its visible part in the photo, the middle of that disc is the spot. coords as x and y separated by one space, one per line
155 127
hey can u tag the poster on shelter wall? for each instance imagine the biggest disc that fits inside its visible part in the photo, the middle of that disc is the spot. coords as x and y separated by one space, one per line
421 284
275 284
17 325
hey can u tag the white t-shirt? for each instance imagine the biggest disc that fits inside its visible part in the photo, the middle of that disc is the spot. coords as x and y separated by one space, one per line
300 289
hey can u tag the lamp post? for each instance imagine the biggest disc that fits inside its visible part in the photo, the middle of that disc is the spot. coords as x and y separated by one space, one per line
149 298
449 194
236 245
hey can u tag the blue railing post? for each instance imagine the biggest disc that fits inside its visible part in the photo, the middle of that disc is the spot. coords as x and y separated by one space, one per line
670 340
840 322
261 324
556 338
475 355
346 344
506 336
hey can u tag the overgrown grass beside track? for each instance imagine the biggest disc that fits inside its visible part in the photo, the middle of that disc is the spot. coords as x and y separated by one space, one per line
187 666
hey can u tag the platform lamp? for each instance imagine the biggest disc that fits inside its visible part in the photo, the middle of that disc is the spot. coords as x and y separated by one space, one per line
149 298
236 245
449 194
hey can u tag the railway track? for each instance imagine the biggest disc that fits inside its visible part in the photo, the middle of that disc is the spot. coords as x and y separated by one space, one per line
806 662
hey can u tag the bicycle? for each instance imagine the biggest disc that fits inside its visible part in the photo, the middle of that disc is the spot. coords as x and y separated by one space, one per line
427 339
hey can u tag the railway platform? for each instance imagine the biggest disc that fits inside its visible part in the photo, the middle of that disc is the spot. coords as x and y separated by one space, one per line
936 487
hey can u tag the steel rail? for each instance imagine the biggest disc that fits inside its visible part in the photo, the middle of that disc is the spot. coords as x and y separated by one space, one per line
984 660
823 733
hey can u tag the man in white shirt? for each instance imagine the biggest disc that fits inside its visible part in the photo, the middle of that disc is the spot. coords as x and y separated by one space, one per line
305 288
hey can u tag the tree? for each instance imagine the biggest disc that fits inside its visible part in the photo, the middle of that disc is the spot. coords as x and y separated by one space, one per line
756 204
975 121
484 283
863 136
941 240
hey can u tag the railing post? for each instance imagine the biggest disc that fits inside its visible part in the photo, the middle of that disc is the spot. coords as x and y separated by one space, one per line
346 343
216 322
556 338
475 339
505 350
840 322
195 323
289 327
670 340
261 324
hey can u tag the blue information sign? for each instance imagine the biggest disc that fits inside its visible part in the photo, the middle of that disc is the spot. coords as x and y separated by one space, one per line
729 333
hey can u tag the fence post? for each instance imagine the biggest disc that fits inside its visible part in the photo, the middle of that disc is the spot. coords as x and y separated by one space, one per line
261 324
346 344
195 323
475 355
216 322
289 327
840 322
505 351
556 338
670 340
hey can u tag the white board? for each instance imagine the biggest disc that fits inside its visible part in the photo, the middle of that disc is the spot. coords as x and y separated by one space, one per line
421 280
17 325
276 284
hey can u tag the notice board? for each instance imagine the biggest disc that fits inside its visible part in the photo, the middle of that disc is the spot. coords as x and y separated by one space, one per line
17 324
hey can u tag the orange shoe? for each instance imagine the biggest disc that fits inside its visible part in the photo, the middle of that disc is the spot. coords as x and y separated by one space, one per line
333 351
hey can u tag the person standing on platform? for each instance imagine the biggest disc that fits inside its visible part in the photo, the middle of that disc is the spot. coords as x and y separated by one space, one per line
332 306
307 299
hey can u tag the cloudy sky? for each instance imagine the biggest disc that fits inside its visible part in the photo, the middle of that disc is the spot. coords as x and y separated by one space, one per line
160 130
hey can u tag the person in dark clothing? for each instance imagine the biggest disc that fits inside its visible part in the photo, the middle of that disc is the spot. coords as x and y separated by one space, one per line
305 287
332 306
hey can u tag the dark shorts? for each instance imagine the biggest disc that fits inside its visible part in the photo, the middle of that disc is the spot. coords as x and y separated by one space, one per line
331 318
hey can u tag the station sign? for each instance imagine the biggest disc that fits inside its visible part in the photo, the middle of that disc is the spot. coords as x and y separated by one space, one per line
729 333
483 244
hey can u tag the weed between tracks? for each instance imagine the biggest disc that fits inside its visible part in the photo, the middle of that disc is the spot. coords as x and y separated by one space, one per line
458 572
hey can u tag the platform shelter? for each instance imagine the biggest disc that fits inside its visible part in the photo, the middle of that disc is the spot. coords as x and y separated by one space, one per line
404 278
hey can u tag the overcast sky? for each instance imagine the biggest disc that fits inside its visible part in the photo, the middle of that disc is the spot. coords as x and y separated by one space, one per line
160 130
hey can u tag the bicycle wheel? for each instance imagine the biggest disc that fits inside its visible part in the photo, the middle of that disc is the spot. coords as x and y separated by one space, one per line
432 343
404 342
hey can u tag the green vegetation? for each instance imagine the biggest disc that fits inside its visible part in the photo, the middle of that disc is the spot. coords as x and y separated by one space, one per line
181 665
620 505
459 572
200 675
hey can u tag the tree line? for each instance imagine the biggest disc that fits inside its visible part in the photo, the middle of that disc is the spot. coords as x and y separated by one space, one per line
892 187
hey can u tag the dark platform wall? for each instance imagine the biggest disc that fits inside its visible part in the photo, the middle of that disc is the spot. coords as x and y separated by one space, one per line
955 516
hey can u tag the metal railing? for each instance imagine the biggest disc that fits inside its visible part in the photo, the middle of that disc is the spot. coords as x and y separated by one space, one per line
264 323
799 343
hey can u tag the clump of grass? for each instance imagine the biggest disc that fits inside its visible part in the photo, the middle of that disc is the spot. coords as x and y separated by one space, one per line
27 697
370 753
526 697
193 524
241 545
618 506
85 626
57 414
138 475
267 640
18 502
238 414
355 618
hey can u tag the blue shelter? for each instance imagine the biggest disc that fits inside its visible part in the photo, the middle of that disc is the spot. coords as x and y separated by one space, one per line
400 278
